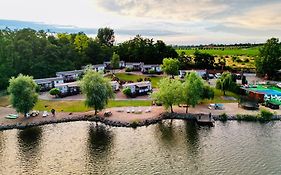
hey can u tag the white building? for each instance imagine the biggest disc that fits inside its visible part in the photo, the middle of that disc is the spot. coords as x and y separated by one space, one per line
67 89
70 76
139 88
135 66
48 83
153 67
115 85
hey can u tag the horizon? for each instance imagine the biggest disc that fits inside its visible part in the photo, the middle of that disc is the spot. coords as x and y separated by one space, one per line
180 23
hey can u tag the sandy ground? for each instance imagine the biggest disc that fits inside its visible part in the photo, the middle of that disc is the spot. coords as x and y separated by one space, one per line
124 116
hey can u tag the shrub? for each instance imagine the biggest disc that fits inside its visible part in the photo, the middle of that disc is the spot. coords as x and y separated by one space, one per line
54 91
147 79
128 69
127 91
265 115
223 117
151 71
139 80
135 123
247 60
246 117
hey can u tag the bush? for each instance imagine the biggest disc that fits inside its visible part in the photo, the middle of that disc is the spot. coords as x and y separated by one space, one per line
151 71
54 91
128 69
246 117
223 117
127 91
139 80
147 79
265 115
247 60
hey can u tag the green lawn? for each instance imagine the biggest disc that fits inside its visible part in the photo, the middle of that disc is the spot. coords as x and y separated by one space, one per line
78 106
133 77
218 99
253 51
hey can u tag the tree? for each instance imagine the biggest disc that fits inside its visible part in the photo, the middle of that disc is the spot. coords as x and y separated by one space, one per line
225 82
23 94
171 66
106 36
115 60
269 60
193 89
97 90
204 60
169 92
54 91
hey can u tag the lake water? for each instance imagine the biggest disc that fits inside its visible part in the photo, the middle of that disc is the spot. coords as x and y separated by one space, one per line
169 148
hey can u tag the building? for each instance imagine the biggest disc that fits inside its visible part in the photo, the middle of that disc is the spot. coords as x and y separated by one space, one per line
70 76
202 73
115 85
135 66
139 88
156 68
107 64
68 89
47 84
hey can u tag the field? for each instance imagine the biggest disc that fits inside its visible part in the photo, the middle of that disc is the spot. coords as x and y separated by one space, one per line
251 52
234 58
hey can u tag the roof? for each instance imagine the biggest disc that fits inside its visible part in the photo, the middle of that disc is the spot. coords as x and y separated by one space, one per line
143 83
151 65
71 72
136 63
47 80
72 84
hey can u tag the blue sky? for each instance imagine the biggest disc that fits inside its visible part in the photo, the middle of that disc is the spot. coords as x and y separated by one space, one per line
174 21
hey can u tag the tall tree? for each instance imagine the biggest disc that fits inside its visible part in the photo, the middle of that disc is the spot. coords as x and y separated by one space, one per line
225 82
115 61
23 94
97 90
269 60
171 66
106 36
193 90
204 60
169 92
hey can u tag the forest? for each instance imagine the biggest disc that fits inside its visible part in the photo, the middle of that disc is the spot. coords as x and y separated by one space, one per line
41 54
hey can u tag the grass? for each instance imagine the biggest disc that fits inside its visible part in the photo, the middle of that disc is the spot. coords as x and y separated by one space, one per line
253 51
218 99
79 106
134 78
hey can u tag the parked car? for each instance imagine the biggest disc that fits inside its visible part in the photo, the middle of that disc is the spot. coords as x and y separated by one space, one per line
211 76
218 75
45 114
216 106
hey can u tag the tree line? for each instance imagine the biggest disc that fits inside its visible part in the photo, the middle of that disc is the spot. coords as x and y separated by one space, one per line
41 54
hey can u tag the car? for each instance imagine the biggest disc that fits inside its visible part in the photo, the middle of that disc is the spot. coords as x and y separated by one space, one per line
211 76
45 114
34 113
218 75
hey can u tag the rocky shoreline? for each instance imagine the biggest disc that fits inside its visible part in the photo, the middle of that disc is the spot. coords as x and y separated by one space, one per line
113 123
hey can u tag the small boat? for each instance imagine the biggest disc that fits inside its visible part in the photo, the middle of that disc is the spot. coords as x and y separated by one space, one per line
12 116
278 85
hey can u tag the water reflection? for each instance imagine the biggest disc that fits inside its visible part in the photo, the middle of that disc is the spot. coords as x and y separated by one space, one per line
29 146
192 136
166 130
100 143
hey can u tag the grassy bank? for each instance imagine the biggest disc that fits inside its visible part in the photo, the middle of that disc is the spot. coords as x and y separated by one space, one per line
218 97
79 106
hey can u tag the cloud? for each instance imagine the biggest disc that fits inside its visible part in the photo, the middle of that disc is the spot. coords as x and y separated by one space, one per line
164 9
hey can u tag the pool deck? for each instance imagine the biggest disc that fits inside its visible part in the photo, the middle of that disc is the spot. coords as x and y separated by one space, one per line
231 109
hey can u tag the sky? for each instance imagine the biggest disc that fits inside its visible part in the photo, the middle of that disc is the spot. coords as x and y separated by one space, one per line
177 22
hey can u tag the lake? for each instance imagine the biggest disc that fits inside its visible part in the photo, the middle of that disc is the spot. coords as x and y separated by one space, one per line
176 147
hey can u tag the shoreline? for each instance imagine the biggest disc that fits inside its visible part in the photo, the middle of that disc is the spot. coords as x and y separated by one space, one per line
115 123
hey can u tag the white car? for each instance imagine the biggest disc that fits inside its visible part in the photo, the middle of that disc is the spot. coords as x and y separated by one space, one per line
218 75
45 114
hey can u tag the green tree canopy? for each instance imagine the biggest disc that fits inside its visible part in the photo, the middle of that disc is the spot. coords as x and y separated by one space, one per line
23 94
225 82
97 90
169 92
115 60
54 91
204 60
193 88
269 60
106 36
171 66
